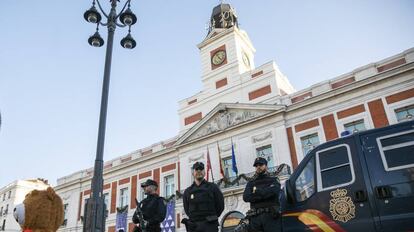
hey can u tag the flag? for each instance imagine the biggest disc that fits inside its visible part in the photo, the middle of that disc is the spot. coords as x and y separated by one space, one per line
220 161
209 166
233 159
121 219
168 225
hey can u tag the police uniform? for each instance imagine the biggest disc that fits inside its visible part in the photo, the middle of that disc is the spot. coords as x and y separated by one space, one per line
203 204
263 195
153 209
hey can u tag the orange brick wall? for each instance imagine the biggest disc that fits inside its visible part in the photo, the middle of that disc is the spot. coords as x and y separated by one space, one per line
124 181
192 118
351 111
292 148
111 229
113 196
145 175
342 82
400 96
260 92
221 83
157 178
169 167
391 65
378 115
133 191
307 125
329 127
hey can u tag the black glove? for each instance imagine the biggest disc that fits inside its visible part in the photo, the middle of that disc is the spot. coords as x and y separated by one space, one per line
189 225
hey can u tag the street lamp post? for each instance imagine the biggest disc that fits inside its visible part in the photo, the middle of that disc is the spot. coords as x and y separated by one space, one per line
95 210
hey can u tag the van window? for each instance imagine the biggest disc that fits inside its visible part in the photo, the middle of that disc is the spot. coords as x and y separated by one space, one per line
334 167
397 150
305 183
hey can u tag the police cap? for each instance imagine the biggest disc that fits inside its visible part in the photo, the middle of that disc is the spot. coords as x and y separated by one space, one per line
198 166
259 160
149 182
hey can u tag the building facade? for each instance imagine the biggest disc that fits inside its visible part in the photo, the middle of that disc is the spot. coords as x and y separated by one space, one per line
12 195
255 111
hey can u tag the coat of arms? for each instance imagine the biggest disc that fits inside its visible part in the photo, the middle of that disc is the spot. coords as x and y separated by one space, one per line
341 206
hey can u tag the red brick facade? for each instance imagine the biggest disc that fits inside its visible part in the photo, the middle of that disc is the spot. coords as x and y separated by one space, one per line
378 115
307 125
292 148
113 196
157 177
193 118
391 65
329 127
400 96
257 74
342 82
134 180
351 111
221 83
169 167
260 92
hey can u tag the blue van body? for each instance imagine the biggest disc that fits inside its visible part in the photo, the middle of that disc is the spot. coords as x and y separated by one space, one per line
361 182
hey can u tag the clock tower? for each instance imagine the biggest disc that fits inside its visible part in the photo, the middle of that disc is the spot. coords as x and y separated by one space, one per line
227 51
229 74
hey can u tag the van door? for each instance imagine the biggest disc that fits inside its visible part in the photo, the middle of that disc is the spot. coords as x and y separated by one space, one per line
329 191
389 155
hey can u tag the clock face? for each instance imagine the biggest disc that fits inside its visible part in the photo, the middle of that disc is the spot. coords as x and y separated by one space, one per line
218 57
246 60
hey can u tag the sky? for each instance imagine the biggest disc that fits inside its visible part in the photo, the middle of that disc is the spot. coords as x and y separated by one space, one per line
51 79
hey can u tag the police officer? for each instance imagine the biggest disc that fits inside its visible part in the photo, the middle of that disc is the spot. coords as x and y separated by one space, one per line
263 194
153 208
203 203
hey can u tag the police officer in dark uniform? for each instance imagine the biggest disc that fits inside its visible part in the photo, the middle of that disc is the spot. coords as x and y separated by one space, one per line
263 194
203 203
153 208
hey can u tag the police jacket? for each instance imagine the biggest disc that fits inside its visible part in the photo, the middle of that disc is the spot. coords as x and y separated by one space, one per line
203 201
153 210
262 192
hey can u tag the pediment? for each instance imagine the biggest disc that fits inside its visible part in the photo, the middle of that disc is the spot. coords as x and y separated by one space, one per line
225 116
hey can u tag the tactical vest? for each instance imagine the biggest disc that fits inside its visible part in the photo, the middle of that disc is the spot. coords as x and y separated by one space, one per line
201 202
262 182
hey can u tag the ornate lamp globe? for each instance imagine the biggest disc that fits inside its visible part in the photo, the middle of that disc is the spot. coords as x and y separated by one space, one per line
96 40
128 18
128 42
92 15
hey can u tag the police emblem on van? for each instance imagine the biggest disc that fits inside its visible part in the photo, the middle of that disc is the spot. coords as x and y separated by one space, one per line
341 206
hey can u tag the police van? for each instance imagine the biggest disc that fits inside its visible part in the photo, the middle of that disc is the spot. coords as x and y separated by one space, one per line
361 182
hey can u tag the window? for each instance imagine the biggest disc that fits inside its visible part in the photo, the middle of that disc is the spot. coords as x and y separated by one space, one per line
1 211
334 167
305 184
9 194
65 214
4 196
397 150
6 211
123 197
405 113
106 200
266 152
169 187
228 167
309 142
355 126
